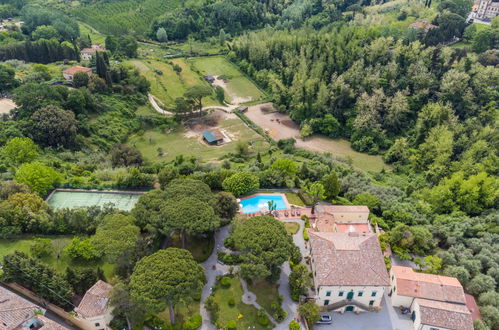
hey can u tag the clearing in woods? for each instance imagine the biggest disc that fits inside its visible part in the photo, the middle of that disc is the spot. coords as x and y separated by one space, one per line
166 84
239 88
186 140
280 126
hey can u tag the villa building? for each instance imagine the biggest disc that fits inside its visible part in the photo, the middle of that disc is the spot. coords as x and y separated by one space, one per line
86 54
423 25
486 9
342 218
435 302
349 271
94 309
19 313
70 72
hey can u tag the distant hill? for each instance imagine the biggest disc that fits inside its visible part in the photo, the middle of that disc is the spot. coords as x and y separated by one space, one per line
124 16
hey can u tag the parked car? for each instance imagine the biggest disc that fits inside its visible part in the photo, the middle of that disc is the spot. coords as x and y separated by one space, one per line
325 319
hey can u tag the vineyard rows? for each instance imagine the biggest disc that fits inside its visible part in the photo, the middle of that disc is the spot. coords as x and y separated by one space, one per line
127 16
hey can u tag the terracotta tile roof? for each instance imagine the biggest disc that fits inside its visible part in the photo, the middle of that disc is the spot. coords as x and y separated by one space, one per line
345 208
472 307
424 24
445 315
324 222
353 228
14 310
347 259
76 69
49 324
428 286
94 303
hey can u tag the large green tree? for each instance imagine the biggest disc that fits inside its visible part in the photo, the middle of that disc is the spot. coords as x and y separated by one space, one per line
316 191
180 188
147 210
117 236
241 183
40 178
264 241
196 93
331 185
54 127
19 150
166 278
189 215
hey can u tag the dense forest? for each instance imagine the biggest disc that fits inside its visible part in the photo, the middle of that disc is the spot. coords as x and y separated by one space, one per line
423 100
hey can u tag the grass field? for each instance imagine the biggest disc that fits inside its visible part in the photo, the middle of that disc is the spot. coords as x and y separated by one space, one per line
294 199
266 293
188 143
169 85
292 227
59 264
238 85
183 312
228 313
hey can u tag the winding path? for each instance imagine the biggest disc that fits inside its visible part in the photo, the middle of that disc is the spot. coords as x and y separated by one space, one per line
290 306
213 268
155 105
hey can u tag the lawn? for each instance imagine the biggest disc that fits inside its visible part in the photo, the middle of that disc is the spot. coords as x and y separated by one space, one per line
266 293
292 227
8 246
200 247
188 143
183 312
238 85
166 84
294 199
228 313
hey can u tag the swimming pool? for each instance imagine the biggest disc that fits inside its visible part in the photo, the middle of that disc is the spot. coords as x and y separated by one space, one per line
257 203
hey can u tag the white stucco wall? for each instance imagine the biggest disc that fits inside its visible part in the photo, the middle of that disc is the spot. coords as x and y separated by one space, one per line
398 300
334 295
103 321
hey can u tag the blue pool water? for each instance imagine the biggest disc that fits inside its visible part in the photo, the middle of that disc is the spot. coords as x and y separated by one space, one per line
257 203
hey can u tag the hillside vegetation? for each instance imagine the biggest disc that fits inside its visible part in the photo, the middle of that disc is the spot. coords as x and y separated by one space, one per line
124 16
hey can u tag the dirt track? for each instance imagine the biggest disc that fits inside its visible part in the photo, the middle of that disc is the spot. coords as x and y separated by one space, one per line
6 105
280 126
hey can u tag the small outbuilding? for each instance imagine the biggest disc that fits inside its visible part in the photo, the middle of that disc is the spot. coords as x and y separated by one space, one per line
213 137
86 54
242 108
69 73
209 78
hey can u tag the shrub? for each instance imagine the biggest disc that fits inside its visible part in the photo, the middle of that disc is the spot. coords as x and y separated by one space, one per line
228 259
193 323
225 282
262 318
277 312
293 325
231 302
212 308
41 247
231 325
305 234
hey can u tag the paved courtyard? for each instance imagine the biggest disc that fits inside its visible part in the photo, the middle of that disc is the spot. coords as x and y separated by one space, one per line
363 321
